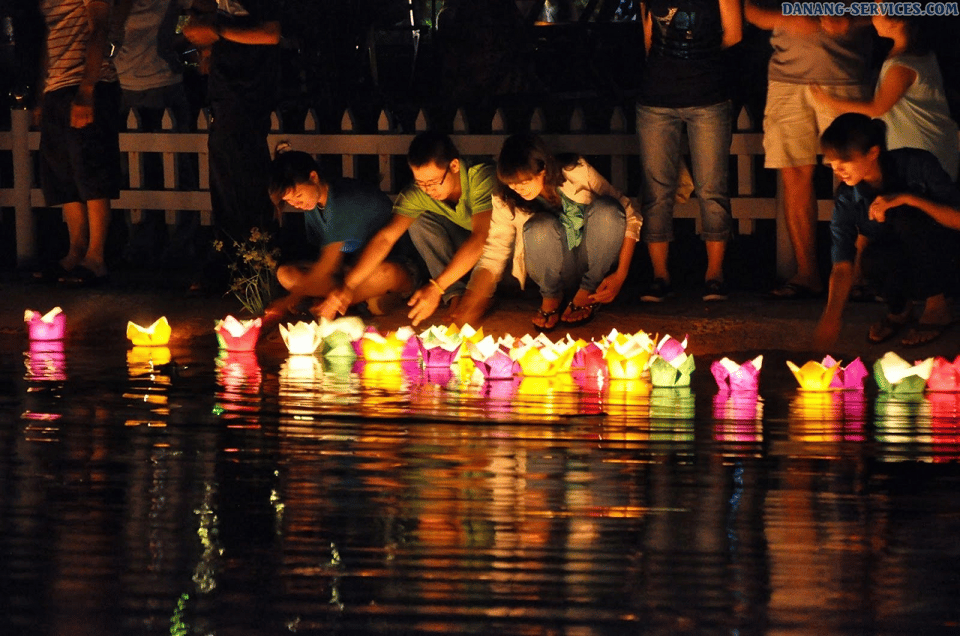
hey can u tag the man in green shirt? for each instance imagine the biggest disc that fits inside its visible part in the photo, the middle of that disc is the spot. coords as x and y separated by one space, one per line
447 212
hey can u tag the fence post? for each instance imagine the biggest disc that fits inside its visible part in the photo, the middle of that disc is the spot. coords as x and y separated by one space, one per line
22 183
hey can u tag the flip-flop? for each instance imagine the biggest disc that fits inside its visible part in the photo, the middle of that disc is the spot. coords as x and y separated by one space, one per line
793 291
885 330
921 333
546 315
573 308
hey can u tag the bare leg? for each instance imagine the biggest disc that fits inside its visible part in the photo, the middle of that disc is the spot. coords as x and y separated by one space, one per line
75 215
98 222
715 253
658 258
800 210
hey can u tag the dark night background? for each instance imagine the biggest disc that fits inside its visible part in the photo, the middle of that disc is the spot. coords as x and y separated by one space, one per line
478 55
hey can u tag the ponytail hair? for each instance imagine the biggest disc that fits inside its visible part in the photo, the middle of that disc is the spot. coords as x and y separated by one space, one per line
853 133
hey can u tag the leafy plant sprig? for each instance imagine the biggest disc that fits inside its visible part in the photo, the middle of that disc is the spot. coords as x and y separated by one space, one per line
252 270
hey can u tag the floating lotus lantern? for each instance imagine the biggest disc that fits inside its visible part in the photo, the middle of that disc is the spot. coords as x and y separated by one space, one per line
156 335
543 358
895 375
302 339
850 377
492 360
238 335
394 346
737 377
945 375
813 376
49 326
627 356
439 346
339 337
670 365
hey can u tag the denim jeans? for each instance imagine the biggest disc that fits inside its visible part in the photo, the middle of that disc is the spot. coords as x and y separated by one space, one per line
437 238
556 268
709 131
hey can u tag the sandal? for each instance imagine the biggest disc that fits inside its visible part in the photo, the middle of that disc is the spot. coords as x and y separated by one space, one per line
547 315
573 308
793 291
922 333
886 329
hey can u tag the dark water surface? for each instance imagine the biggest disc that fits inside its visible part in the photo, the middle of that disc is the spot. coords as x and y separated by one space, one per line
178 492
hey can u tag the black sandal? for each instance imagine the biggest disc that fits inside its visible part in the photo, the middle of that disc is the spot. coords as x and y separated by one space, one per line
574 308
546 315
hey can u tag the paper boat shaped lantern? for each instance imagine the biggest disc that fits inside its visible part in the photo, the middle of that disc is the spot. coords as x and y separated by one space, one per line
49 326
813 376
627 357
156 335
439 347
340 335
492 360
302 339
737 377
895 375
238 335
394 346
945 375
670 365
849 377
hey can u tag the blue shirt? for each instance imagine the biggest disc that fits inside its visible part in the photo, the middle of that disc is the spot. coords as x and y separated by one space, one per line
905 170
354 212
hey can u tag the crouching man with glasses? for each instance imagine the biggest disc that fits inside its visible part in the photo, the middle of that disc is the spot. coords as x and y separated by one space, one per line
447 213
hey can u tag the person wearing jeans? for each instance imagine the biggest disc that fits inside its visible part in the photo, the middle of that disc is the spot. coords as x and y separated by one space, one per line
559 220
685 85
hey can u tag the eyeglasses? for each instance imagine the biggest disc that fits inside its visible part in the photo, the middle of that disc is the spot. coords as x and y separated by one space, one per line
427 185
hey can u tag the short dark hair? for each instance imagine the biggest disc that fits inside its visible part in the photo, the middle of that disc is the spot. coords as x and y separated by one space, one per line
289 169
853 132
431 146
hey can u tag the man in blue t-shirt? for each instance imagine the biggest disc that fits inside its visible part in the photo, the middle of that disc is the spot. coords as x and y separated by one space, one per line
340 217
905 208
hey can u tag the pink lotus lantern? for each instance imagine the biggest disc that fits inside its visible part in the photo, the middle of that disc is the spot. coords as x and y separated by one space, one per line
238 335
945 375
737 377
49 326
492 360
850 377
156 335
439 347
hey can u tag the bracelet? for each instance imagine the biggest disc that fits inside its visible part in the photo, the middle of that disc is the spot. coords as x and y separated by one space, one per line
437 285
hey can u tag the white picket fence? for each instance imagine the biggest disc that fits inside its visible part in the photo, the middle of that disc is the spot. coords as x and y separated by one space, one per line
619 143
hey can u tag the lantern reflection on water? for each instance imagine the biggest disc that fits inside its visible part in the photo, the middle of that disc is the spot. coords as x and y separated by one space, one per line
46 361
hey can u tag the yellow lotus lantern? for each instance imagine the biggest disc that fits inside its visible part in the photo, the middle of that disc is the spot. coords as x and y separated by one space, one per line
627 357
401 344
156 335
302 339
813 376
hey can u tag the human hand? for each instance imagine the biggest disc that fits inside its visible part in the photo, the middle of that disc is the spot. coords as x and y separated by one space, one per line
609 289
81 110
424 302
336 303
880 205
201 31
826 333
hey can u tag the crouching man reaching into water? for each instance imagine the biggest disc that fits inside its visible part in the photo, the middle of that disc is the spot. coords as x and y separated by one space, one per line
906 208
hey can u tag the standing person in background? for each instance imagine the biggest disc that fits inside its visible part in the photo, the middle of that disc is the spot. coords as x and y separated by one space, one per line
559 220
685 82
909 96
447 212
242 38
79 142
151 77
832 52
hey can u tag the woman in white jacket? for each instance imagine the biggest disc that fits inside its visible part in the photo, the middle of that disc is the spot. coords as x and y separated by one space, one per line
560 222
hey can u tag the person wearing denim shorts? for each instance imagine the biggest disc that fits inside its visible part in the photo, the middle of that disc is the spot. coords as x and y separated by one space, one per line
831 52
685 84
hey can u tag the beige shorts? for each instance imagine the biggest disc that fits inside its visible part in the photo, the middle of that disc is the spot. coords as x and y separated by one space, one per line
793 122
